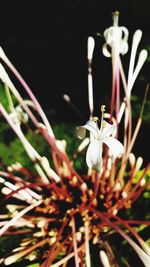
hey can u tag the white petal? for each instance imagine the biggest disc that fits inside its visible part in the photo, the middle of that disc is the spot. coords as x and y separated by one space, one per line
94 155
90 126
116 148
106 51
109 129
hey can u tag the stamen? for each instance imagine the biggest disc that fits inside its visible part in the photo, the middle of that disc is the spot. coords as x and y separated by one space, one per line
67 99
95 119
102 116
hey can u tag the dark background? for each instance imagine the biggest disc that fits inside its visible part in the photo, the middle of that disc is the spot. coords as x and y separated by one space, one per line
47 42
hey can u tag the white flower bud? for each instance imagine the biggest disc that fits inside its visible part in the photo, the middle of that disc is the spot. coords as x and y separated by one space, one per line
90 49
104 258
132 159
138 165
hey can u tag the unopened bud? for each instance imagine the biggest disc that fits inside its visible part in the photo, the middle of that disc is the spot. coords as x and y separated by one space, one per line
61 144
117 187
2 180
66 98
81 229
32 257
78 236
137 37
50 172
90 47
138 165
83 187
52 240
104 258
124 194
41 223
142 183
84 143
132 159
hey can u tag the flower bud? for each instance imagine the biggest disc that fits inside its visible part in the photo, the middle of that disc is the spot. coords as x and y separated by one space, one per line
90 48
104 258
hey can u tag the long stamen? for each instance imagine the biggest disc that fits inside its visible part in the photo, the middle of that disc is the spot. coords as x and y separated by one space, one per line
28 90
102 111
18 216
75 243
87 245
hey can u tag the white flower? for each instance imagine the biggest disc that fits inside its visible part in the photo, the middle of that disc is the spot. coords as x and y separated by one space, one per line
116 38
98 137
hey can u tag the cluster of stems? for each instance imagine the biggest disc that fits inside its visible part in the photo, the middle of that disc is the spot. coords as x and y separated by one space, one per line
59 213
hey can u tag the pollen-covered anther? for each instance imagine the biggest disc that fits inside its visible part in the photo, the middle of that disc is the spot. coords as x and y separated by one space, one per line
103 108
104 123
95 119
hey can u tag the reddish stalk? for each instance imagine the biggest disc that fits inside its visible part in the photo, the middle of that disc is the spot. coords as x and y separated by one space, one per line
48 261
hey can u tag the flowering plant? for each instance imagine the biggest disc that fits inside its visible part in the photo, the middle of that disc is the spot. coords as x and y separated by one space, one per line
60 214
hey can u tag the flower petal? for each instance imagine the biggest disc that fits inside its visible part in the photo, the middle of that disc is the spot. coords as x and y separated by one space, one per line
116 148
109 129
94 155
90 126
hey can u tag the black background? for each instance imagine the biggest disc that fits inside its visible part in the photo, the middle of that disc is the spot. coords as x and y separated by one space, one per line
47 42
